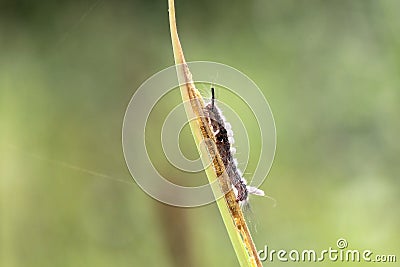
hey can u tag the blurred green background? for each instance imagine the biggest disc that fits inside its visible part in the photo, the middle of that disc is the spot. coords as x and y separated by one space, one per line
329 69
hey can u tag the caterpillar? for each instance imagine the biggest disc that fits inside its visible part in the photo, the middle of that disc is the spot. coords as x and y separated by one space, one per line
224 140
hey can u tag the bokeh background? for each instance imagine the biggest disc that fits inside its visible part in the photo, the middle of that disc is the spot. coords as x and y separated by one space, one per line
329 69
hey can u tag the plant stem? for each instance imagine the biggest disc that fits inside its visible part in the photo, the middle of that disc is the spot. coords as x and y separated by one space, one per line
194 105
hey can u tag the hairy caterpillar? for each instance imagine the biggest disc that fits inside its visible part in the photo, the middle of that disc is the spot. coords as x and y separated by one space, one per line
224 141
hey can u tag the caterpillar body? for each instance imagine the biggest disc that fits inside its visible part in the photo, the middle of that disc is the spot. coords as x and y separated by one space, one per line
224 140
